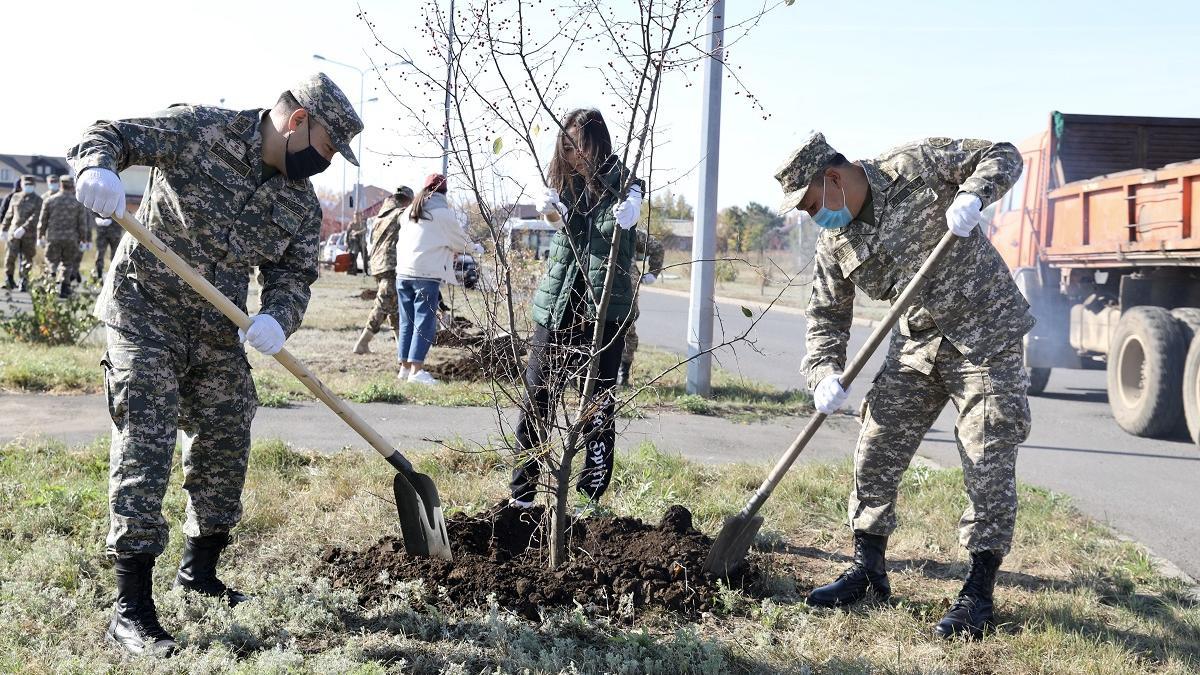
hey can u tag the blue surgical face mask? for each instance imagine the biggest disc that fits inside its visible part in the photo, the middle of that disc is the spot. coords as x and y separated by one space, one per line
829 219
28 189
53 187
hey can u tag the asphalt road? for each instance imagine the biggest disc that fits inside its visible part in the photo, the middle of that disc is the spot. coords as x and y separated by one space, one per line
1144 488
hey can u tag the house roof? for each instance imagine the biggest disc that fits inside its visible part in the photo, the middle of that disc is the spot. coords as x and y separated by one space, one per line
22 164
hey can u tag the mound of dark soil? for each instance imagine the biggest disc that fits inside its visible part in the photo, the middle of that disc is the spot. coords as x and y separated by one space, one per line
617 565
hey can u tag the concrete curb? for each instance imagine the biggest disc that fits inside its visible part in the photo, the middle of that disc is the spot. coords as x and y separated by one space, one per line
752 304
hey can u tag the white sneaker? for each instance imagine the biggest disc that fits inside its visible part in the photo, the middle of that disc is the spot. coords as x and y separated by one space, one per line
512 501
405 371
422 377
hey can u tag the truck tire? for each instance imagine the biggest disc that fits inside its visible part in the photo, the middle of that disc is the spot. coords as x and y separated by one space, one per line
1038 377
1145 369
1191 390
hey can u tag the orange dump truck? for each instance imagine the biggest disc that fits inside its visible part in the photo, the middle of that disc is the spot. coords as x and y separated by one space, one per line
1101 235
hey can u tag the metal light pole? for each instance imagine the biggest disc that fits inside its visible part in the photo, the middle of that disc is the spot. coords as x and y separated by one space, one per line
700 307
449 73
362 76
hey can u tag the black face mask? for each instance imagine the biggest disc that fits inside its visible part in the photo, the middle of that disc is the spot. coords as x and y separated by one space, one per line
305 163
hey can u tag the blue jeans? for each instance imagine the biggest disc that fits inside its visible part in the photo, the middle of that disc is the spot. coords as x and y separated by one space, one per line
418 299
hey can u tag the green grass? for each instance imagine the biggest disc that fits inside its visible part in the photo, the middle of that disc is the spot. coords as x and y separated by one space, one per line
62 369
1072 598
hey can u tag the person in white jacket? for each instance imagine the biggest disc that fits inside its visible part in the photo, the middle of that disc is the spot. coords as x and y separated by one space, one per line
429 238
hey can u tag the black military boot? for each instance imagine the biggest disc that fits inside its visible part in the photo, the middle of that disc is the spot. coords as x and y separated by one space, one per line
971 613
198 568
867 574
64 289
9 283
24 285
134 626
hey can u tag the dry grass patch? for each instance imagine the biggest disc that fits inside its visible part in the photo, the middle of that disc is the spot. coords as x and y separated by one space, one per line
1071 597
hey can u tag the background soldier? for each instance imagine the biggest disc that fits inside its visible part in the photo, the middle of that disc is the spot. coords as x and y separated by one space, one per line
228 192
19 230
960 341
108 235
354 244
64 225
651 249
383 266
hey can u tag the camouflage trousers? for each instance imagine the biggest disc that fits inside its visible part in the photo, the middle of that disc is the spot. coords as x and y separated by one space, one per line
386 307
631 338
63 254
154 388
107 238
993 419
24 249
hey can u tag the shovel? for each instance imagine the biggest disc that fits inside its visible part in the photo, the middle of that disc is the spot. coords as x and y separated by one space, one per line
729 551
417 502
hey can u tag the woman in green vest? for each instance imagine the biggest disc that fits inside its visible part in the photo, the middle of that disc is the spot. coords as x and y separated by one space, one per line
589 193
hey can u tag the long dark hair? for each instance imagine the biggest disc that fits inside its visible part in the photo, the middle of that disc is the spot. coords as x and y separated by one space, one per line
434 183
594 144
417 210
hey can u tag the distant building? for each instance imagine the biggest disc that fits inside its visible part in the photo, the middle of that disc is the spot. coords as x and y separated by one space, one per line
676 233
13 167
338 212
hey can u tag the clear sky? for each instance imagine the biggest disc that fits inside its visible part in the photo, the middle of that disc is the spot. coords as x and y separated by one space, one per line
870 74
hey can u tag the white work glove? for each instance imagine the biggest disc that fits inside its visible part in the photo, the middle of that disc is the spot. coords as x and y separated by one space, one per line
19 232
265 334
627 212
478 248
85 246
963 214
42 243
829 395
4 235
103 222
549 203
101 191
649 278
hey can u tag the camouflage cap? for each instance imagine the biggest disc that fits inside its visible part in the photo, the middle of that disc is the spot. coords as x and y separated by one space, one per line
797 172
29 178
67 179
52 178
332 110
404 192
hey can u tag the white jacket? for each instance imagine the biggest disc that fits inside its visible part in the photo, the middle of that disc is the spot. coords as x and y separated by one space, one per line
425 249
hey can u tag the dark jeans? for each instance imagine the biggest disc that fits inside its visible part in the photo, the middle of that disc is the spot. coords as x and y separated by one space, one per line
418 306
558 358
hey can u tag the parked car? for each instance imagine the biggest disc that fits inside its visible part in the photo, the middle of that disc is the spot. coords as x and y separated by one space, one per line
466 270
332 247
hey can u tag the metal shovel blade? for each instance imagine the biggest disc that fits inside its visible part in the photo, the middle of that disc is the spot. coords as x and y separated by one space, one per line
728 552
421 519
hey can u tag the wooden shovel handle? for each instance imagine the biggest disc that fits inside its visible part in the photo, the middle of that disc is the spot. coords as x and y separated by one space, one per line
231 311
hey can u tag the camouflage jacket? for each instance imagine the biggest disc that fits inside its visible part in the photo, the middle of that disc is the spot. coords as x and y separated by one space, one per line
383 237
650 248
64 218
23 211
208 200
970 299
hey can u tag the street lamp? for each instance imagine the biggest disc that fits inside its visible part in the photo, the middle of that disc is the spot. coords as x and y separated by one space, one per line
362 76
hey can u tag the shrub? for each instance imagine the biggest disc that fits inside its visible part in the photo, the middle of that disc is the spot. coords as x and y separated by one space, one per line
52 320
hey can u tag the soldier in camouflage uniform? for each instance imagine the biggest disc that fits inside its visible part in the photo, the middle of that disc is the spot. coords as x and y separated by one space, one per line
108 236
960 341
228 192
19 230
64 226
649 248
383 266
